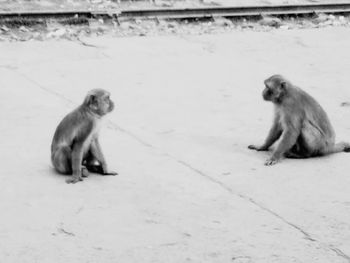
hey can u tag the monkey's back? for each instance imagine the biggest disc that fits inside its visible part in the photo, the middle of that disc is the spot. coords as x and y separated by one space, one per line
69 130
315 115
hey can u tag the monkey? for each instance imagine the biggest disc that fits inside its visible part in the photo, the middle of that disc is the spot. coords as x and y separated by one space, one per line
300 124
75 148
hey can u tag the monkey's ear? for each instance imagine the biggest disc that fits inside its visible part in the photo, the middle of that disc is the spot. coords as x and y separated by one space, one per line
283 85
282 91
91 101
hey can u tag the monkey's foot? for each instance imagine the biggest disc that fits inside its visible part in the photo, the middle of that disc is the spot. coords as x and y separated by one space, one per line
84 172
74 179
99 170
347 149
271 161
95 169
257 148
292 155
110 173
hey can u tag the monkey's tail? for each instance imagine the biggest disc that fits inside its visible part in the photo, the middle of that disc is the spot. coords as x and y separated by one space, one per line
340 147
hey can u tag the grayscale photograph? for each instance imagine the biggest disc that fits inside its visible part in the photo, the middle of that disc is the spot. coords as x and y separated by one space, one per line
175 131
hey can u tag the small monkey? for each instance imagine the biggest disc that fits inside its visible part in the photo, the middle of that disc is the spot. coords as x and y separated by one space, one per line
300 124
75 148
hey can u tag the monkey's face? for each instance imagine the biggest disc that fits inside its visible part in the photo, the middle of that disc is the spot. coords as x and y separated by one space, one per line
268 93
106 105
99 102
274 90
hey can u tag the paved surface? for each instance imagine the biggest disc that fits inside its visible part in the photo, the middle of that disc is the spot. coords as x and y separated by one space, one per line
189 190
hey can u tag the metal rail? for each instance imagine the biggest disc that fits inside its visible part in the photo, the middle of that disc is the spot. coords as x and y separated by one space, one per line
237 11
201 12
46 14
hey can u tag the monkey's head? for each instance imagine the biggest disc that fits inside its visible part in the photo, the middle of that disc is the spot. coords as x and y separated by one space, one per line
275 89
98 101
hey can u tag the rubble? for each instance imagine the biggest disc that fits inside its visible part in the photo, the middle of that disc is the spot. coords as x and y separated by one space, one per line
72 28
270 21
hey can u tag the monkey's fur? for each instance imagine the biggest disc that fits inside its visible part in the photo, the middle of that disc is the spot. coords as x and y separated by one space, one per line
300 124
75 148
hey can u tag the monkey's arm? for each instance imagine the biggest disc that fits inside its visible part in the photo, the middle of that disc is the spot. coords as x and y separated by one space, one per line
98 154
79 143
288 139
274 133
77 158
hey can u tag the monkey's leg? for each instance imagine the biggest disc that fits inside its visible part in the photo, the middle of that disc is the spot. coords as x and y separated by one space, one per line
289 138
274 133
298 151
294 154
61 160
96 156
92 164
316 143
338 147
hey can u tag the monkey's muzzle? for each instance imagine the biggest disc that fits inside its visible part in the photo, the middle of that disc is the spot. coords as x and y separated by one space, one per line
111 106
266 94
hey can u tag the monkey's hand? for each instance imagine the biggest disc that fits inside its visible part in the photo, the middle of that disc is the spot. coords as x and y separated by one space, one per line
74 179
258 148
105 170
271 161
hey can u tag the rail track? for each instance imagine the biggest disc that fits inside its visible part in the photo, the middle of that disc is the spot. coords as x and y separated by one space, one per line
182 13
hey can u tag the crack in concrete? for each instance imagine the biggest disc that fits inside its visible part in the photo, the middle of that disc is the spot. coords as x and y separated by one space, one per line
306 235
44 88
86 44
114 126
339 252
246 198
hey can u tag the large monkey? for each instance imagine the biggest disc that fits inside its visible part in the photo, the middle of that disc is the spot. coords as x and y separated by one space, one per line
75 148
300 124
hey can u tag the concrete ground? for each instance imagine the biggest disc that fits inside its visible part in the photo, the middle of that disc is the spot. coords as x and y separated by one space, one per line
188 189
